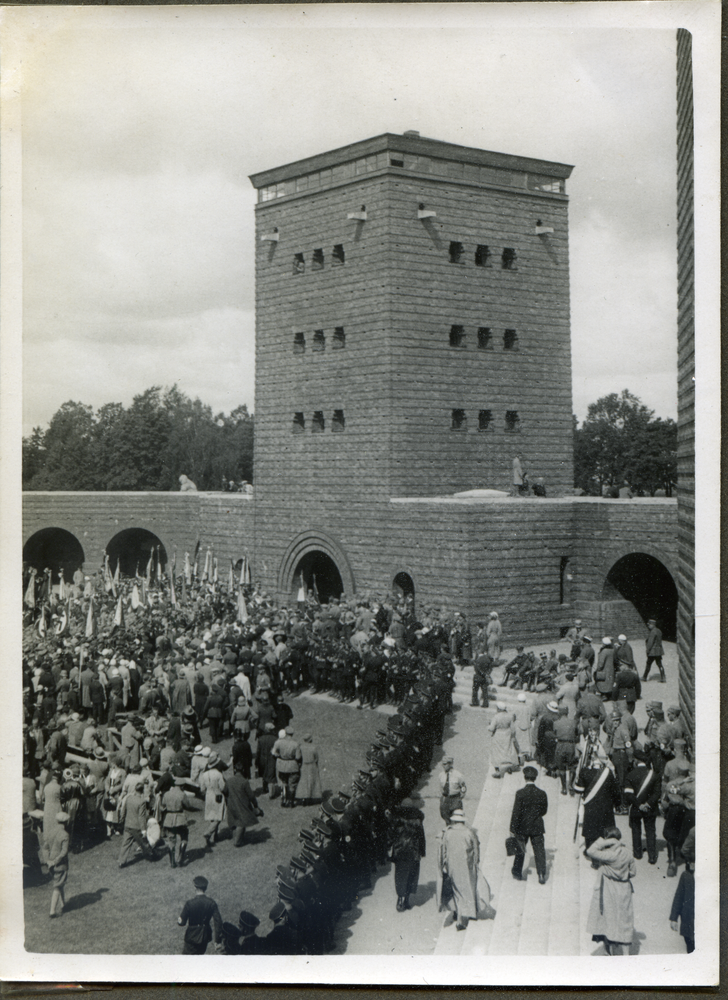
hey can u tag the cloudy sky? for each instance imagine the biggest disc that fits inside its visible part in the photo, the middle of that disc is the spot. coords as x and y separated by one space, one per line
140 127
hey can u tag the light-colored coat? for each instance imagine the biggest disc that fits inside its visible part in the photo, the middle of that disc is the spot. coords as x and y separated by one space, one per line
612 913
502 746
213 783
459 857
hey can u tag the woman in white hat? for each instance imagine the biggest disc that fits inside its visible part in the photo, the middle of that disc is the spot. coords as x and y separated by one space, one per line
494 635
503 746
459 857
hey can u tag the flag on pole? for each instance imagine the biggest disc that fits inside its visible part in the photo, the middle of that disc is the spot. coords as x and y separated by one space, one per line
149 568
90 620
184 590
117 571
159 566
231 579
29 599
214 570
188 570
143 593
42 622
248 574
108 582
172 594
242 608
194 560
242 572
314 588
119 616
135 601
61 585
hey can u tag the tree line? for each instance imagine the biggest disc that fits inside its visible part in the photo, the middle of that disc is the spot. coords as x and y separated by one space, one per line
145 446
165 433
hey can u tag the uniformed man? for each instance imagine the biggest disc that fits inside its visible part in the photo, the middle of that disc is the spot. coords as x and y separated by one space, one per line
197 913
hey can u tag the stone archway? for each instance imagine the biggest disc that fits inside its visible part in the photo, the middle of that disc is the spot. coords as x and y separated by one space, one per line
403 588
644 581
54 549
315 552
131 549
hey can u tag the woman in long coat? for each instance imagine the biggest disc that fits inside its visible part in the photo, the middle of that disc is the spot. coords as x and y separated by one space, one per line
523 727
611 915
494 634
51 799
242 807
213 784
503 748
459 857
113 785
309 785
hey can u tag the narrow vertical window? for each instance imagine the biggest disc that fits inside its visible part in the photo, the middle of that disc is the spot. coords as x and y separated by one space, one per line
510 340
485 339
338 256
318 424
338 423
513 421
459 420
319 341
509 259
299 264
485 420
482 256
299 343
299 423
339 338
457 336
456 253
317 261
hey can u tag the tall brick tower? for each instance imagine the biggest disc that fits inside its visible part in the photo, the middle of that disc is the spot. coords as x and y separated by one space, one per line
412 327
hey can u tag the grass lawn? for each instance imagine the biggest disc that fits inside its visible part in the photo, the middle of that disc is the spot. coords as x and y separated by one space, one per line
134 911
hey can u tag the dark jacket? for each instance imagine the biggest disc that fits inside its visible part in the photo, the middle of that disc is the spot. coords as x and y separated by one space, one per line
627 685
529 808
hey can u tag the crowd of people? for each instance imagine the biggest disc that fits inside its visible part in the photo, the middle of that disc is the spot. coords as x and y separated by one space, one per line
122 678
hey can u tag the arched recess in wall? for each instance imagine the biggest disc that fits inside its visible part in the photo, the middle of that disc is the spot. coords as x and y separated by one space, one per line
403 588
647 583
315 553
54 548
131 548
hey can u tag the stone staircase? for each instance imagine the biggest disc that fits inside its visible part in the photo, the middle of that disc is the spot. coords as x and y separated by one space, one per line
550 919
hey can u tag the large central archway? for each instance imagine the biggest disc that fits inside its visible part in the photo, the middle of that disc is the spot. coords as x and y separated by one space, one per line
319 575
314 552
54 549
648 584
132 548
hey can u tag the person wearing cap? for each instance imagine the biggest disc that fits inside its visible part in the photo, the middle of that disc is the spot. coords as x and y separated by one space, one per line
407 835
586 652
627 686
242 940
198 913
604 671
134 814
242 807
679 726
589 706
288 757
458 861
623 653
503 748
113 784
519 662
200 757
611 914
482 678
546 737
529 807
683 903
452 788
212 783
653 650
309 786
174 806
58 863
265 762
642 790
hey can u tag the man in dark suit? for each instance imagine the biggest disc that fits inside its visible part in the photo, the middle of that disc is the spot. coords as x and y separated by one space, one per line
529 808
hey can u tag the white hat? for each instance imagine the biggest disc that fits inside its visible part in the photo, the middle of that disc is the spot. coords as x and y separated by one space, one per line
607 640
205 752
553 706
457 816
521 696
501 706
281 734
622 638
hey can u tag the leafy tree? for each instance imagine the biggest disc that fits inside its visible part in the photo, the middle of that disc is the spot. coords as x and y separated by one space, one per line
146 447
621 441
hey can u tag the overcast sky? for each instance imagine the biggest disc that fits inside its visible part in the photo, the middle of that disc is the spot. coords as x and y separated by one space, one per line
139 136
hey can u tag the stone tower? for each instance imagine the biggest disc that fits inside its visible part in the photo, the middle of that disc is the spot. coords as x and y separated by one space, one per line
412 327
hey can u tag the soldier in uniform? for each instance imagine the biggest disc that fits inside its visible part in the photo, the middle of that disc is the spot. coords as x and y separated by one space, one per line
197 913
642 789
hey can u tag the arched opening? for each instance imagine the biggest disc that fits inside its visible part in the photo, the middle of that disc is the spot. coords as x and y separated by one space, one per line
648 585
132 548
403 589
319 576
54 549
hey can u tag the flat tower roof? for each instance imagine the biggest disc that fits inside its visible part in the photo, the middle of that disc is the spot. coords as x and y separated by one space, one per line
413 143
